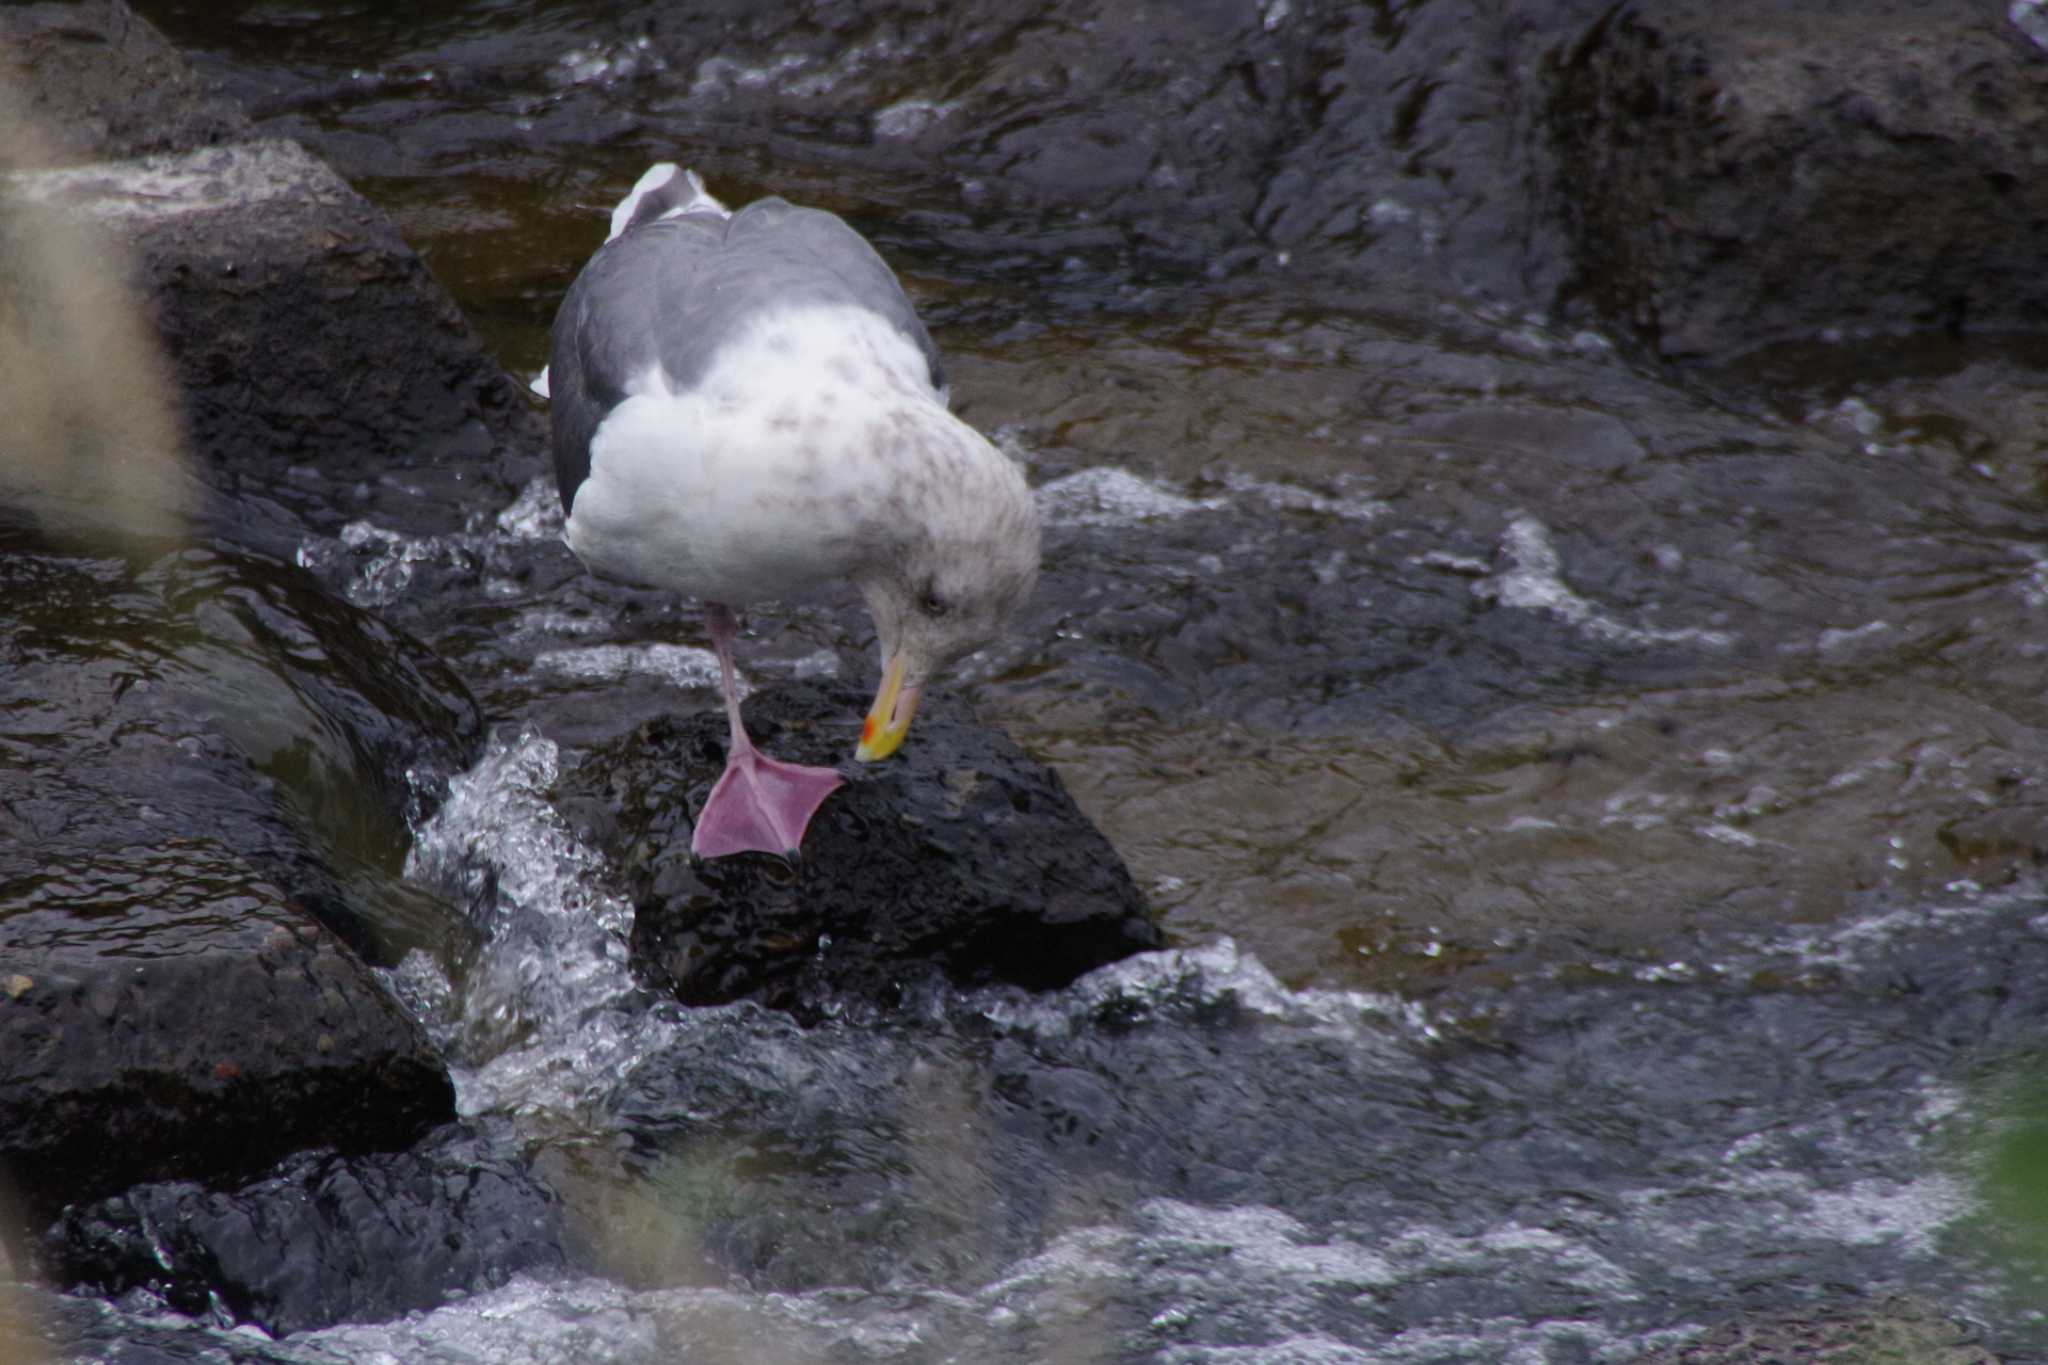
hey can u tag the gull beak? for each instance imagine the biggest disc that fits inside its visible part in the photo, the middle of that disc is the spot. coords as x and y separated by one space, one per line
881 734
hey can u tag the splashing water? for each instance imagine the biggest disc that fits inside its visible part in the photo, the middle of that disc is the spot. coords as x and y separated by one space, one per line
546 1015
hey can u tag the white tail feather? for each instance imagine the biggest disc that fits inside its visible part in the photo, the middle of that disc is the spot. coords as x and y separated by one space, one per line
657 177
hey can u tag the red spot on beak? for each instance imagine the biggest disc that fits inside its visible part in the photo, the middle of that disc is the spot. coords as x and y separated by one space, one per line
867 730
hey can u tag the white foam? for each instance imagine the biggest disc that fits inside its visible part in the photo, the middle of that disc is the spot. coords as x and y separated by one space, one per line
524 1322
1833 640
1350 503
548 1016
717 77
908 118
1465 565
220 179
1265 1246
1533 579
2034 586
374 566
682 665
1218 970
608 63
534 515
1108 496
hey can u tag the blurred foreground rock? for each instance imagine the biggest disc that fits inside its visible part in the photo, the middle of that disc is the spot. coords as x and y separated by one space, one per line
322 376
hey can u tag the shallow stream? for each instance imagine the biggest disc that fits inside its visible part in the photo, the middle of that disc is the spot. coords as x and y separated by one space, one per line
1598 811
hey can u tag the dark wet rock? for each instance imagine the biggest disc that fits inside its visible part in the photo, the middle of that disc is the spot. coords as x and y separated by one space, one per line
325 376
207 763
323 1238
103 84
1757 172
1713 177
307 335
1423 162
221 698
1277 620
1117 127
232 1030
199 755
960 857
1188 139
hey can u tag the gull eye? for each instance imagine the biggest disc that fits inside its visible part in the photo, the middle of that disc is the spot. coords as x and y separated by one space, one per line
930 603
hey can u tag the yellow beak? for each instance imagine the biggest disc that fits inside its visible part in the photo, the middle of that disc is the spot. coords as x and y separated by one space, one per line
881 734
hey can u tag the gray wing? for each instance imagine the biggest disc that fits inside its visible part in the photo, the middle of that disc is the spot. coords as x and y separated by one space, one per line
676 289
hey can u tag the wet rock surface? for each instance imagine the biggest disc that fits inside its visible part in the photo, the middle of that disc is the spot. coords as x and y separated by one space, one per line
207 762
101 84
240 1032
220 700
321 1238
237 754
1752 173
1709 177
322 376
958 859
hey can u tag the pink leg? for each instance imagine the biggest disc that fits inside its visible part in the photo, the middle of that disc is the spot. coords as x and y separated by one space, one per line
760 804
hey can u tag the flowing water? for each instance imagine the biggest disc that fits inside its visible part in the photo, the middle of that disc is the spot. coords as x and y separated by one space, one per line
1597 812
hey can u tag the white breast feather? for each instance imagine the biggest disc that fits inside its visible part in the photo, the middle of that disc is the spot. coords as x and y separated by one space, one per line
758 481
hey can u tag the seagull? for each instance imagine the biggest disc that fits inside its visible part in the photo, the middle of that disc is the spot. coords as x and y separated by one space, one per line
745 407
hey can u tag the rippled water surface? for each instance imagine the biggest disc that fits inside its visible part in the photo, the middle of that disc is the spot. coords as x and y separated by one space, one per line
1598 811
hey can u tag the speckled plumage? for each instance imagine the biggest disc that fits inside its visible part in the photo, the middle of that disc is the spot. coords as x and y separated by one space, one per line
676 285
746 405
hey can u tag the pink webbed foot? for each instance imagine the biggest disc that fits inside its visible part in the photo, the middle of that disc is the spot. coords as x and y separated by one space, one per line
761 805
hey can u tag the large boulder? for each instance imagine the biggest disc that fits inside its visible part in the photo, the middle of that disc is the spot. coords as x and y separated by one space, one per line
1755 172
1709 176
98 83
